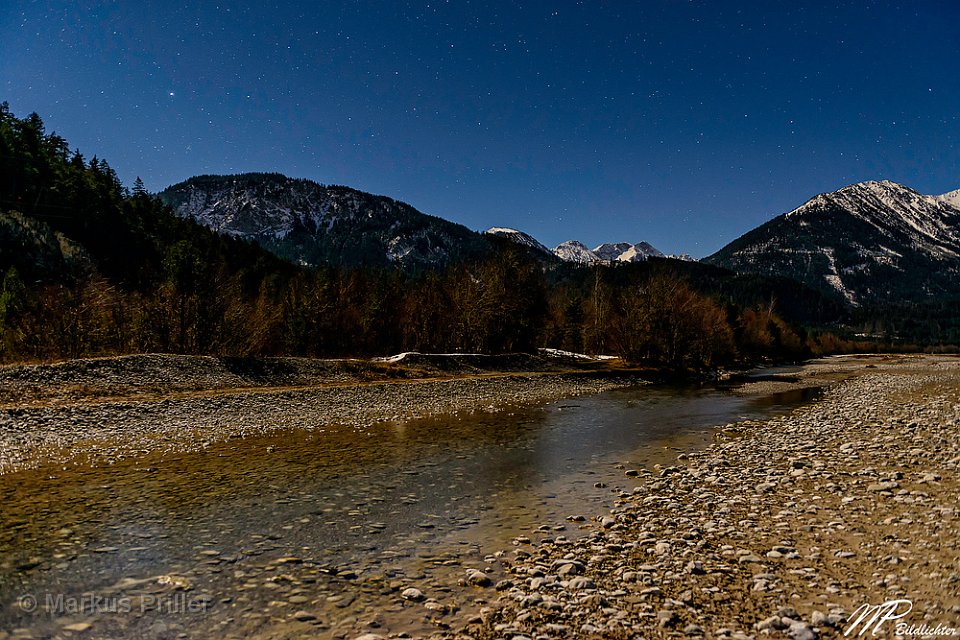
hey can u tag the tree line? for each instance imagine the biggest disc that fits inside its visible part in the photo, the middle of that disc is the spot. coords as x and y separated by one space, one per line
90 268
500 305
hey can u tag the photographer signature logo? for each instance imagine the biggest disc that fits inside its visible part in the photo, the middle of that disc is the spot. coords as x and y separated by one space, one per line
871 617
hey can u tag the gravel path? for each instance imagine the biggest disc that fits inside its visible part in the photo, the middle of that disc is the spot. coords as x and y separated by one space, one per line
780 529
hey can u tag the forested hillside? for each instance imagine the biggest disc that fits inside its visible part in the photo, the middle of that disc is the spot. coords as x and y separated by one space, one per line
92 268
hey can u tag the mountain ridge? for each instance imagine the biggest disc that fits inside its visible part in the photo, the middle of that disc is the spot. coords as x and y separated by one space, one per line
578 253
868 243
310 223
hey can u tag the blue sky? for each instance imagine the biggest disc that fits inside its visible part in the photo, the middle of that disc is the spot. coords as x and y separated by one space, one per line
681 123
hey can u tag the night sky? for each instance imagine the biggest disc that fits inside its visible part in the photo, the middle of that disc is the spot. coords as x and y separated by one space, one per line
681 123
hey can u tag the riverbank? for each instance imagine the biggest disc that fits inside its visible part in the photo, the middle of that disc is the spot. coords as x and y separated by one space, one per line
102 410
781 528
457 526
319 532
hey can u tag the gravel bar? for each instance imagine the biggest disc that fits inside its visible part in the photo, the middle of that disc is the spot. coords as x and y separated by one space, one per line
192 411
781 528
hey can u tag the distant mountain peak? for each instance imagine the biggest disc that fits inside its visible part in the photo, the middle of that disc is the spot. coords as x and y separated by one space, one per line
951 198
612 250
868 242
853 197
626 252
521 238
576 251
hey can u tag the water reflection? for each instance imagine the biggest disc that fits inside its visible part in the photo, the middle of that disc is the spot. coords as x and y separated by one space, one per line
340 500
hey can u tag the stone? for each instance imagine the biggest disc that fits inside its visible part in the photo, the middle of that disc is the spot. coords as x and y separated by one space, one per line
580 583
304 616
478 578
771 623
801 631
695 567
667 618
413 594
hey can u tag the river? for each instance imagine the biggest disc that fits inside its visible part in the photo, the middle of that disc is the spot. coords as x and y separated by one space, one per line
319 532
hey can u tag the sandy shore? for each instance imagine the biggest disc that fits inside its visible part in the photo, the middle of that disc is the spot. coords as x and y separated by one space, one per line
782 528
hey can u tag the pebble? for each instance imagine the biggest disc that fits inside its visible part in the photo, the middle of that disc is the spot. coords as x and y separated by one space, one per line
137 423
774 506
738 541
412 593
478 578
304 616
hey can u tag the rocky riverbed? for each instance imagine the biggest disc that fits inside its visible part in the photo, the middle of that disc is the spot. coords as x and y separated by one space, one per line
781 528
104 410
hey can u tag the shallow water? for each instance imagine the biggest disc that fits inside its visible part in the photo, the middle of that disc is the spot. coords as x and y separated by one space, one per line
358 515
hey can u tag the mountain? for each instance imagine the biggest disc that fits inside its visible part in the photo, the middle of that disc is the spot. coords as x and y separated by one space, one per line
626 252
576 251
612 250
519 237
868 243
309 223
952 198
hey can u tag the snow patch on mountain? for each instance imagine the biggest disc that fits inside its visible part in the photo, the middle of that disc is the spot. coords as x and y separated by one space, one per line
834 280
626 252
612 250
896 211
311 223
871 242
576 251
519 237
952 199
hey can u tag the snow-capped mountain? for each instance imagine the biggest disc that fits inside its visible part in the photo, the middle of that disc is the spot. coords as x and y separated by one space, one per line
869 242
310 223
952 198
626 252
521 238
576 251
612 250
